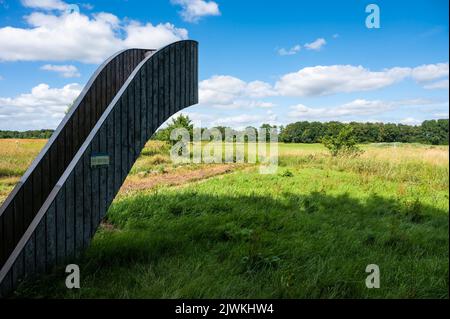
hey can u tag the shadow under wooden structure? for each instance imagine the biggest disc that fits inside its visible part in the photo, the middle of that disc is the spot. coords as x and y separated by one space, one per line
53 212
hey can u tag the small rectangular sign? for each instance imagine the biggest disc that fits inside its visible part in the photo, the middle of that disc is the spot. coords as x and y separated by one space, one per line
99 160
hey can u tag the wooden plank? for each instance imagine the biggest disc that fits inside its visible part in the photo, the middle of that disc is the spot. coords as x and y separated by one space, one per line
19 226
177 77
144 110
111 167
79 223
117 145
8 228
6 285
88 105
91 189
192 74
137 115
70 216
51 236
196 74
41 247
131 123
155 93
161 111
75 131
103 171
18 270
3 254
46 183
60 212
172 79
187 80
149 92
182 75
69 143
166 59
30 256
124 137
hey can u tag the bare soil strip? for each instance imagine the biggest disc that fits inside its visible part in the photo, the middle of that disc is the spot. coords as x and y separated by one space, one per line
175 178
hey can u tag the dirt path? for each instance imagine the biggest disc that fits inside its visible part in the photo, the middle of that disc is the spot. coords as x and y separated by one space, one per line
174 178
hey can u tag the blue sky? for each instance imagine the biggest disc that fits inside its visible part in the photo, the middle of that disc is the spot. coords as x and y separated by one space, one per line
260 61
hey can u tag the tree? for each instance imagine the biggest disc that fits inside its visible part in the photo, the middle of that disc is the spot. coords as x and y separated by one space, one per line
179 122
343 143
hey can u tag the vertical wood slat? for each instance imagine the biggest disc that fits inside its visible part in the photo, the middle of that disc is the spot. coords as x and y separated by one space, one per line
60 212
130 130
69 214
51 236
137 118
90 192
166 83
182 74
161 106
144 110
149 92
102 179
172 80
78 185
177 78
111 168
155 94
124 137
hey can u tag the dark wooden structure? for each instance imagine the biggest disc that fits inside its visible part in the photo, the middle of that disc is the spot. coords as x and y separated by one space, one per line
54 211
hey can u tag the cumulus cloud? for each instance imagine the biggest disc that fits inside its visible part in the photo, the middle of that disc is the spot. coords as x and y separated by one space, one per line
66 71
440 85
294 50
224 91
90 39
43 107
194 10
358 107
324 80
45 4
316 45
430 72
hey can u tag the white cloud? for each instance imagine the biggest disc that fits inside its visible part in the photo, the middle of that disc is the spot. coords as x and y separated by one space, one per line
294 50
64 37
324 80
43 107
430 72
66 71
224 91
358 107
410 121
442 84
45 4
316 45
193 10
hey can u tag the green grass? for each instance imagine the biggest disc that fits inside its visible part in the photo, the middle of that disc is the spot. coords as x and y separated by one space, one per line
308 231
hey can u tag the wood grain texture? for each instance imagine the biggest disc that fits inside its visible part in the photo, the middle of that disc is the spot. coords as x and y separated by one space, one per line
131 97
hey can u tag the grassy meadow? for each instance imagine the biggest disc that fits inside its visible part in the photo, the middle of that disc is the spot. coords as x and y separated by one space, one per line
226 231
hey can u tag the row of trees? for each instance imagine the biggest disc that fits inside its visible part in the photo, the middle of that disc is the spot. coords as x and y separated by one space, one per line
27 134
429 132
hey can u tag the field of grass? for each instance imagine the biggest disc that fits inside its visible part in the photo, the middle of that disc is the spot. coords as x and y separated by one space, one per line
308 231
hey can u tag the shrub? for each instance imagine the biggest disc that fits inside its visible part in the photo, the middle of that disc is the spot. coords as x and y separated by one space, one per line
343 143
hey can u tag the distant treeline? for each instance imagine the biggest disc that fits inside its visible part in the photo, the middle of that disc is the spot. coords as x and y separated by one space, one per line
429 132
434 132
27 134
